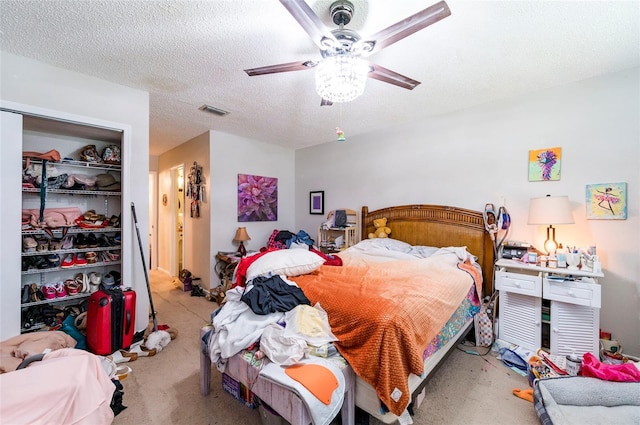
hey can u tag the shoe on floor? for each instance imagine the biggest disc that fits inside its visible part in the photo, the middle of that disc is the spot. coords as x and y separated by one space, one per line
143 351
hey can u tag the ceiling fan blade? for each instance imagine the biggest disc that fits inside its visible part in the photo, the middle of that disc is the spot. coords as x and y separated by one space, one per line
383 74
325 102
408 26
310 22
283 67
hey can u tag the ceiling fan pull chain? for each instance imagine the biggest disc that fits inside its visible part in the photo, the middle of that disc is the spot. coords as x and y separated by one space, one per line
339 131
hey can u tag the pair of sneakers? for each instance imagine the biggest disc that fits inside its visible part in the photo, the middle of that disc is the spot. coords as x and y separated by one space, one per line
54 290
71 260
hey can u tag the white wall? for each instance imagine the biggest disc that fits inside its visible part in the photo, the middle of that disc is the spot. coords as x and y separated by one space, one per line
227 156
479 155
47 88
196 230
233 155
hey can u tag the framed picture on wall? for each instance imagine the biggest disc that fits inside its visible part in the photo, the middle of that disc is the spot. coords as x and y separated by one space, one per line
316 202
257 198
544 164
607 201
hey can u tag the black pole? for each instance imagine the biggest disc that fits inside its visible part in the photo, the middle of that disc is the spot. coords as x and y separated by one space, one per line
144 266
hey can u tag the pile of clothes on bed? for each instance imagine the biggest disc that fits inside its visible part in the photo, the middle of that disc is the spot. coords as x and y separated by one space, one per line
266 310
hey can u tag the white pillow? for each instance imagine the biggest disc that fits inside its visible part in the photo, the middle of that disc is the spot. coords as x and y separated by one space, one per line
288 262
421 251
385 243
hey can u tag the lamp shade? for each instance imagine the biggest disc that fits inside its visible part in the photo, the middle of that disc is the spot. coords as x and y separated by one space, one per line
550 210
241 235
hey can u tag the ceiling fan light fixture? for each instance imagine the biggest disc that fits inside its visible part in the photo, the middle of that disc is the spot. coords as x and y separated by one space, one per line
341 78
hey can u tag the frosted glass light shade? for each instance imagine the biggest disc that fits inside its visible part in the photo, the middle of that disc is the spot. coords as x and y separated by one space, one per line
341 78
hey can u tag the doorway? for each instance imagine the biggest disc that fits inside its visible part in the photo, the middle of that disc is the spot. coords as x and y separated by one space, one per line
153 220
177 207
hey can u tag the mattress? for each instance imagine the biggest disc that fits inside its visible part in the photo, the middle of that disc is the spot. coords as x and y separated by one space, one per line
458 325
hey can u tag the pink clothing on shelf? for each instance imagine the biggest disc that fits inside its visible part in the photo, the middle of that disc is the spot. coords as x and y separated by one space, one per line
626 372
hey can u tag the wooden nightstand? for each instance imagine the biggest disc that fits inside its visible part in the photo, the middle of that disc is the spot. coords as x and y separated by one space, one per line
226 263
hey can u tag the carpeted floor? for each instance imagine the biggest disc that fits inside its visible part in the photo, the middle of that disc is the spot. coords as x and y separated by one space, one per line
165 388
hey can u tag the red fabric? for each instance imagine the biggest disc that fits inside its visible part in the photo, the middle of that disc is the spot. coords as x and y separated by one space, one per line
273 243
329 260
625 372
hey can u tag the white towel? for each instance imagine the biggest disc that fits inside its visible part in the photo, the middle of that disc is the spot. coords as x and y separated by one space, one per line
320 413
236 327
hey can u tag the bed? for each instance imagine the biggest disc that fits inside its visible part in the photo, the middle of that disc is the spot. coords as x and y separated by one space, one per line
418 329
415 332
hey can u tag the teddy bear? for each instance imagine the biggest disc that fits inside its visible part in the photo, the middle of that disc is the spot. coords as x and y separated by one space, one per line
382 231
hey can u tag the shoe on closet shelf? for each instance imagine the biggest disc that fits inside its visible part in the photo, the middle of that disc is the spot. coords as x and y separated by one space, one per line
81 241
92 241
108 281
104 241
55 244
54 260
72 287
27 263
25 293
61 291
40 262
49 290
81 259
114 221
68 261
35 293
29 244
82 280
95 279
113 256
67 242
91 257
43 245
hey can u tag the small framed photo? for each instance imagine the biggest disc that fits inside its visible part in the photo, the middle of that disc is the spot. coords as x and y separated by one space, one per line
316 202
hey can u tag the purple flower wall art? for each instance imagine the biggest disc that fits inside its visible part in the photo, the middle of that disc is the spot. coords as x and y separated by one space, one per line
257 198
544 164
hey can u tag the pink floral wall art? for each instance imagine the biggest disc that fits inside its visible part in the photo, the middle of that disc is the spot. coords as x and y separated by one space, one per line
257 198
607 201
544 164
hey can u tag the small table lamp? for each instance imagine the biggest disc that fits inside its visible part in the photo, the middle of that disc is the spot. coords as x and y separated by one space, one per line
550 210
242 235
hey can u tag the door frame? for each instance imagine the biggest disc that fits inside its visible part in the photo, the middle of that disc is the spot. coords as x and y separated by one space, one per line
173 204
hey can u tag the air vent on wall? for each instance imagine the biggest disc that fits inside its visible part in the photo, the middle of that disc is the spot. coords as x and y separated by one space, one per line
213 110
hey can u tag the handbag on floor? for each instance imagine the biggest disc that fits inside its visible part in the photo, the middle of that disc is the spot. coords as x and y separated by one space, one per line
483 321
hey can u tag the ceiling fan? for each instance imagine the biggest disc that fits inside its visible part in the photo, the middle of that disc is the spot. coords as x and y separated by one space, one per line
346 48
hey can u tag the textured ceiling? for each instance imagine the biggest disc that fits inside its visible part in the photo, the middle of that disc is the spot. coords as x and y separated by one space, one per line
188 53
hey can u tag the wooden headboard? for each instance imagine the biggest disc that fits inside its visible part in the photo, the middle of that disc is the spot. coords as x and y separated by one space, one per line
439 226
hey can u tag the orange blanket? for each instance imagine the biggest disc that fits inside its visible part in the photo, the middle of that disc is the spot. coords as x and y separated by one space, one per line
385 314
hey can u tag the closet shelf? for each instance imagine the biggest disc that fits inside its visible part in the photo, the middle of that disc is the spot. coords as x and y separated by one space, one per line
72 191
85 266
82 164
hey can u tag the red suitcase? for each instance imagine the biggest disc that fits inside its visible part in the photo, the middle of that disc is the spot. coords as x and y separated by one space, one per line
111 318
